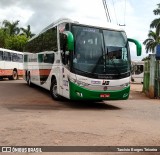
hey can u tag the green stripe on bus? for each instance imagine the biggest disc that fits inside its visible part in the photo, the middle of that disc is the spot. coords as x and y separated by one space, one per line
80 93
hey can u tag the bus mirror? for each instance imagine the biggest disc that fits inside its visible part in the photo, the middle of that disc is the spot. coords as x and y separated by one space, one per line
70 40
138 46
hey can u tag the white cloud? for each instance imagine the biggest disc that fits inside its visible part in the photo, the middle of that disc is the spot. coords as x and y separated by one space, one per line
15 13
38 14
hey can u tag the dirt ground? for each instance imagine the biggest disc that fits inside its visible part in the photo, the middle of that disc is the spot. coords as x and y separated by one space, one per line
29 117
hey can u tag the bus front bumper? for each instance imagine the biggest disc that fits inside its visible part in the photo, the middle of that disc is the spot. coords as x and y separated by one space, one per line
80 93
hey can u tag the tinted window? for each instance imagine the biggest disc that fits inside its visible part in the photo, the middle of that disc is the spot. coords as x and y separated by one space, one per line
14 57
1 55
7 56
25 58
49 58
50 40
19 57
47 41
40 58
139 69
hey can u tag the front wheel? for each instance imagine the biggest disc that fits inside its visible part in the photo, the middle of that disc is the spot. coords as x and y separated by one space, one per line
53 90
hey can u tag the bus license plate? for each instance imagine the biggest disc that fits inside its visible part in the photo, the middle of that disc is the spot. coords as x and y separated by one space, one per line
104 95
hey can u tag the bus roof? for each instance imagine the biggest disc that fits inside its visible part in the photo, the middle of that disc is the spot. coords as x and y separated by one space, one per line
11 51
67 20
63 20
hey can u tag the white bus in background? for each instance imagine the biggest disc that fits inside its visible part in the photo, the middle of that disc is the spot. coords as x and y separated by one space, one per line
137 72
11 64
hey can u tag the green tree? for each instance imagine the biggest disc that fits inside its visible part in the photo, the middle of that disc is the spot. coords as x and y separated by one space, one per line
156 22
10 37
16 42
3 36
153 36
27 32
152 41
146 58
11 28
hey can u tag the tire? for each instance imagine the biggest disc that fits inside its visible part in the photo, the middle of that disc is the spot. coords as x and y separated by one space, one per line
14 75
53 90
132 79
29 80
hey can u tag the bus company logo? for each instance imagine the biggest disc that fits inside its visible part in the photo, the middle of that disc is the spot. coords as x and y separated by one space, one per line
105 88
105 83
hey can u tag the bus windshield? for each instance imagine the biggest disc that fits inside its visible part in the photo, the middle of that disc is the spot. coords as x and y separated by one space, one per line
100 53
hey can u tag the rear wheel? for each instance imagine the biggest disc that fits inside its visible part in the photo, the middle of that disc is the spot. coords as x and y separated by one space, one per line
14 75
53 90
29 80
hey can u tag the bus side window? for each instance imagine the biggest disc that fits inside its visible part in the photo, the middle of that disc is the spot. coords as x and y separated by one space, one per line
50 40
139 69
40 58
1 55
7 56
25 58
49 58
19 57
14 57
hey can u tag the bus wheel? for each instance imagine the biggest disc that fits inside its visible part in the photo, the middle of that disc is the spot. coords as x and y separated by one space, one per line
14 75
29 80
53 90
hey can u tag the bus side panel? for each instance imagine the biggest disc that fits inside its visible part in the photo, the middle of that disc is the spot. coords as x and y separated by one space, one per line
2 73
20 69
33 69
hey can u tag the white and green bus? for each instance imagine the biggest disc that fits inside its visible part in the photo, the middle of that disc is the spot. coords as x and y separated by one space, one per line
80 62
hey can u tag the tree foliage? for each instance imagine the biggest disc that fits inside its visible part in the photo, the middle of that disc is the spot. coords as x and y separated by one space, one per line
16 42
154 35
11 28
14 37
27 32
146 58
152 41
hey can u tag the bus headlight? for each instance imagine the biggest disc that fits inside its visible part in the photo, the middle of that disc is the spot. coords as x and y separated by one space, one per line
79 83
125 85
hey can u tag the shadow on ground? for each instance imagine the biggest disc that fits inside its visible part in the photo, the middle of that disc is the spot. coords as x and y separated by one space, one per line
40 99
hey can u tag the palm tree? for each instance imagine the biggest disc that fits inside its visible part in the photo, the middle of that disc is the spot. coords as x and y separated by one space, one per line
11 28
152 41
156 22
27 32
157 11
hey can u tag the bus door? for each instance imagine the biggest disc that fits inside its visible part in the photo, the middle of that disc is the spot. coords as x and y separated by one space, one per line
7 64
65 82
1 64
20 64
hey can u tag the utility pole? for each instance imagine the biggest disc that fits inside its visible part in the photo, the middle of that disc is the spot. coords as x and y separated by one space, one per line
152 75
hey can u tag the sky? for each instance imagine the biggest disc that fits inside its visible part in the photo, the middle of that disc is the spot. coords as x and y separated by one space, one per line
136 15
